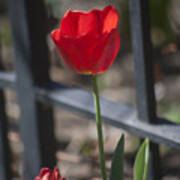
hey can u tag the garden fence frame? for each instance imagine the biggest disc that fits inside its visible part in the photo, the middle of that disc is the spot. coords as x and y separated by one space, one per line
37 94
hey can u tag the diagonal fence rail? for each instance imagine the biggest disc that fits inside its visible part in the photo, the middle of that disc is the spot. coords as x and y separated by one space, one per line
119 115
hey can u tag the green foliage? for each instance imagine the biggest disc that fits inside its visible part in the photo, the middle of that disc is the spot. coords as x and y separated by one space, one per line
5 32
159 13
117 161
173 114
160 22
141 162
160 19
169 111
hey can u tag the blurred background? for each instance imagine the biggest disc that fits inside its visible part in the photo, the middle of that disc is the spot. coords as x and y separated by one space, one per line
78 151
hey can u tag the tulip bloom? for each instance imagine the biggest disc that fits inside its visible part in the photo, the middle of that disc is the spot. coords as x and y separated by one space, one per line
88 41
47 174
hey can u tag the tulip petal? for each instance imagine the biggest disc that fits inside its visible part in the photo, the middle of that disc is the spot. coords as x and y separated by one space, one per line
55 174
105 51
44 171
76 23
110 19
55 35
45 174
37 178
46 177
89 23
76 52
69 24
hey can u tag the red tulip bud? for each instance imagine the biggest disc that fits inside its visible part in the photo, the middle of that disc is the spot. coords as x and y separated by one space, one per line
47 174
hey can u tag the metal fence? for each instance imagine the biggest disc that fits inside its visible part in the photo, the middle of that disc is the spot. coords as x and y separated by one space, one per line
37 94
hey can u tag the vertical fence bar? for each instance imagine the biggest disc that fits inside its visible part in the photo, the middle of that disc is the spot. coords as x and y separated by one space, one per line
5 170
142 49
28 21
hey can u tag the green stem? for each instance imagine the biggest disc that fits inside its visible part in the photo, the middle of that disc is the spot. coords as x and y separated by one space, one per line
99 127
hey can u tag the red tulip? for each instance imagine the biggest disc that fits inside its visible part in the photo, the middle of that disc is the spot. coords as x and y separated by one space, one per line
47 174
88 41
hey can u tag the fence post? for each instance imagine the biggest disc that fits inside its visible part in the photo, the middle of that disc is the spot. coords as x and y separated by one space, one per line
5 154
142 49
29 30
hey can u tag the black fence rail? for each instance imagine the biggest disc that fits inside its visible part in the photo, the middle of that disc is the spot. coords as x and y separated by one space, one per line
37 94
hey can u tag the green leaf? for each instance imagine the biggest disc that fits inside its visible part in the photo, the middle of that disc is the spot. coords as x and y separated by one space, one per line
117 161
141 162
